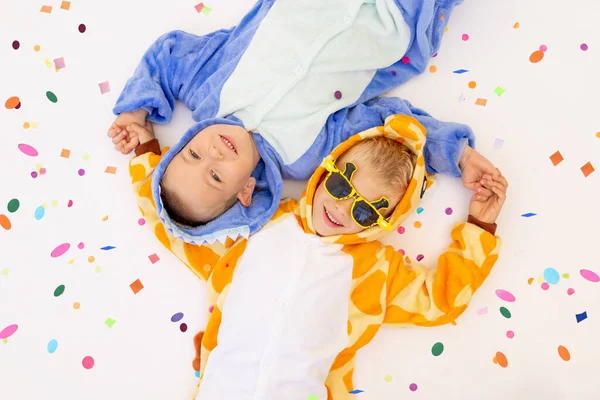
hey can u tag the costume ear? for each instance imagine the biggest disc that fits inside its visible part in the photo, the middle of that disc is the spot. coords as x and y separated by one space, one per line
349 170
198 347
381 203
245 195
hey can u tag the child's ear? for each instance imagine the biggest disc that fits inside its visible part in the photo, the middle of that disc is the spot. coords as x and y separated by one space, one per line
245 195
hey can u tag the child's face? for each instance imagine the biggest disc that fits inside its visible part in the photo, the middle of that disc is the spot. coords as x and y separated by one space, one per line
333 217
214 167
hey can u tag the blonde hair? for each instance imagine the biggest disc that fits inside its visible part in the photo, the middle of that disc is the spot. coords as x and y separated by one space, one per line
388 160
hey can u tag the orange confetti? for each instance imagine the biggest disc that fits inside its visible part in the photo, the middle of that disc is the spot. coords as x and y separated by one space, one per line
46 9
136 286
65 5
65 153
529 281
12 102
516 25
417 224
556 158
91 259
442 17
110 170
26 125
36 48
407 260
472 84
5 222
433 70
564 353
501 358
598 135
76 305
536 56
587 169
105 218
481 102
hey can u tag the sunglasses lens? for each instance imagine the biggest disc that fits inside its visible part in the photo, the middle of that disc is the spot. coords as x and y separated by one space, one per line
364 214
337 186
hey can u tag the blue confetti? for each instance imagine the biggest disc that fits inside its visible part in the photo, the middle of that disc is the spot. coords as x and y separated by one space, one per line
461 71
581 317
419 210
528 215
551 276
197 373
356 391
52 346
107 248
39 212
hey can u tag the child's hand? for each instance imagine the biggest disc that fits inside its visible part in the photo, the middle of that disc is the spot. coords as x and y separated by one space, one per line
473 166
487 210
117 131
134 135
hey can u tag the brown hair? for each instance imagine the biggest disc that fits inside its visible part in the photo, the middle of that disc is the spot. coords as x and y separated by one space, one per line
181 216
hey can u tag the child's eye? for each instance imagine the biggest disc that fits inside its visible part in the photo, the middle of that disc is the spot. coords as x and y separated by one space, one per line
215 176
194 155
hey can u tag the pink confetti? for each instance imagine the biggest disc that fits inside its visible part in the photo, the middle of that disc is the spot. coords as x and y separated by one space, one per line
104 87
42 171
401 251
510 334
87 362
153 258
570 291
70 203
80 245
405 60
401 230
28 150
8 331
59 63
505 295
482 311
465 37
420 257
589 275
545 286
543 48
141 221
199 7
210 309
60 250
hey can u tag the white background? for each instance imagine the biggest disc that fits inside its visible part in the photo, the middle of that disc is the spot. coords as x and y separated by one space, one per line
549 106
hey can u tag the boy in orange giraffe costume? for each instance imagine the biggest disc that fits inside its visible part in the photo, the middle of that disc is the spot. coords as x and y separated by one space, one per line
292 305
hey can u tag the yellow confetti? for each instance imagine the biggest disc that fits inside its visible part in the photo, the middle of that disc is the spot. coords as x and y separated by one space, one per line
388 378
71 261
516 25
36 48
34 125
105 218
98 269
76 305
86 157
54 203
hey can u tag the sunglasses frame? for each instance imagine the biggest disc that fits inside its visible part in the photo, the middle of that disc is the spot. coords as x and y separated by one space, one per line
331 169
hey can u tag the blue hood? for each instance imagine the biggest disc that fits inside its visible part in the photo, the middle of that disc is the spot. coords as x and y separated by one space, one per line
238 220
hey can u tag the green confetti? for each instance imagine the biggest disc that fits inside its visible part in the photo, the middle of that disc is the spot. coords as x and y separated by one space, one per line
505 313
51 96
86 157
4 271
206 10
388 378
109 322
313 397
566 276
13 205
499 91
59 290
437 349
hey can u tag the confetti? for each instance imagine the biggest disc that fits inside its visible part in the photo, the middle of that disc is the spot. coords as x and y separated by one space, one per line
505 295
543 48
42 171
104 218
401 230
46 9
356 391
13 205
516 25
199 7
420 210
461 71
413 387
36 48
589 275
472 84
498 143
39 212
60 289
536 56
437 349
65 153
91 259
16 45
448 211
141 221
81 172
545 286
107 248
570 291
81 28
510 334
87 362
111 170
104 87
528 215
5 271
583 47
564 353
26 125
433 69
65 5
465 37
587 169
420 257
177 317
76 305
183 327
482 311
153 258
405 60
97 269
109 322
211 309
418 224
8 331
505 313
60 250
59 63
70 203
461 98
51 96
80 245
481 102
387 378
28 150
566 276
337 94
311 397
499 91
5 222
52 346
136 286
501 359
580 317
86 157
13 102
551 276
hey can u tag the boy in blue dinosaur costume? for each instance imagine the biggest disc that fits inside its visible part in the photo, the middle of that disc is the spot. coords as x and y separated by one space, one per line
317 68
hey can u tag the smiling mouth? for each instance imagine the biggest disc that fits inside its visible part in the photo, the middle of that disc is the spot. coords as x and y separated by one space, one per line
329 218
228 143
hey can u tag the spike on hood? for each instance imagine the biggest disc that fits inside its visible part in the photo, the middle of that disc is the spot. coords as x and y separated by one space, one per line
401 128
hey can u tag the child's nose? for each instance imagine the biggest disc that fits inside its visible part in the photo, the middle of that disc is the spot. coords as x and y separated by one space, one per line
216 153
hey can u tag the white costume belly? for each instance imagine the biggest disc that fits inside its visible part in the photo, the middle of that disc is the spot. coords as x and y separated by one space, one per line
302 53
284 319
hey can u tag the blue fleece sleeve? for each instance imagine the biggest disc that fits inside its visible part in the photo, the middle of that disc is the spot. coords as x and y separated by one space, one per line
172 68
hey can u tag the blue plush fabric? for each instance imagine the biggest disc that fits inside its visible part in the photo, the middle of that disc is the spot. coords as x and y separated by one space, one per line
193 69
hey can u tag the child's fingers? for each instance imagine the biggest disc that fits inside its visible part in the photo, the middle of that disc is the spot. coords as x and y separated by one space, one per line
482 191
129 147
500 192
119 137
